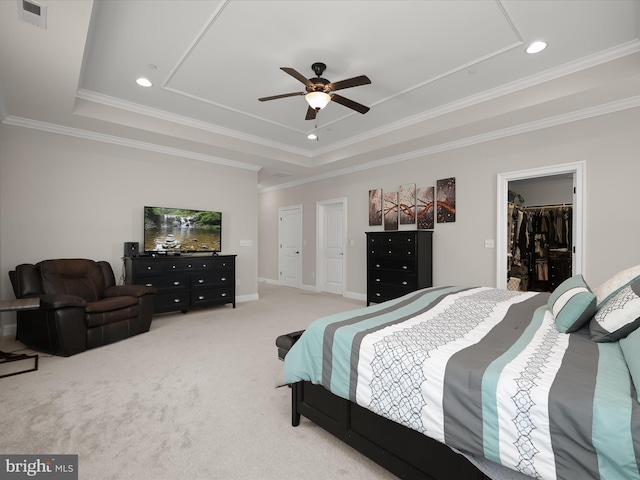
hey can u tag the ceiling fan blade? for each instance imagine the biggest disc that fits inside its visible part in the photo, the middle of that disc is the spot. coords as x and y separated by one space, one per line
311 114
350 82
284 95
358 107
298 76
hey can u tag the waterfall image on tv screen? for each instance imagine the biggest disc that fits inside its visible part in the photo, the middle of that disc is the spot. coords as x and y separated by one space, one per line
181 230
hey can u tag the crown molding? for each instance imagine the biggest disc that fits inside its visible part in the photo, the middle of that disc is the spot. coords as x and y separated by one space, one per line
126 142
611 54
604 56
186 121
612 107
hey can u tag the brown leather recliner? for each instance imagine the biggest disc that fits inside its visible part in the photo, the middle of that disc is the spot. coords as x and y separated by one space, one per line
81 306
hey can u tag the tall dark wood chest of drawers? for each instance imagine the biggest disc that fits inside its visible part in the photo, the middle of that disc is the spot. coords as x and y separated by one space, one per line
398 263
185 282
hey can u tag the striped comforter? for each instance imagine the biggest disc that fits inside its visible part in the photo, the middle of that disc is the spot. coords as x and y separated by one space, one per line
486 372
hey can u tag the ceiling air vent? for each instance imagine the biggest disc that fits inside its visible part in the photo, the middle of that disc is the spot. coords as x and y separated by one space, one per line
33 13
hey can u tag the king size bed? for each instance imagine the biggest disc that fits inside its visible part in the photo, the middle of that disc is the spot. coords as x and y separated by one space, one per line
476 383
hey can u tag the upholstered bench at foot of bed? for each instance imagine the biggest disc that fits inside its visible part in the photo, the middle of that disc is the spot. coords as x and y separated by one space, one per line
286 341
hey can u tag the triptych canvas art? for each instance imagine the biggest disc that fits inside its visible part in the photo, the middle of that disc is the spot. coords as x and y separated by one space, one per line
414 206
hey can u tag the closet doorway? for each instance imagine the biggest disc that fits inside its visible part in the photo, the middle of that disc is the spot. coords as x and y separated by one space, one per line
540 227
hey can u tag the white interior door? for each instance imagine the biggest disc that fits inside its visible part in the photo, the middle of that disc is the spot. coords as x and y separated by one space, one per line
331 246
290 251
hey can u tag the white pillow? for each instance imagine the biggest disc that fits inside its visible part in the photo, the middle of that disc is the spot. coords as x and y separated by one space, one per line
615 283
618 316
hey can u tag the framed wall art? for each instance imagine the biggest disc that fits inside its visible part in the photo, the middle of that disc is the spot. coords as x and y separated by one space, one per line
446 200
375 207
407 204
390 210
425 208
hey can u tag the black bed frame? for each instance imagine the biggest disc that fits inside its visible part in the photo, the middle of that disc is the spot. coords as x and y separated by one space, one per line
404 452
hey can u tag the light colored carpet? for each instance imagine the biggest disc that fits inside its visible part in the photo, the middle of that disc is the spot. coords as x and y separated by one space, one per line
194 398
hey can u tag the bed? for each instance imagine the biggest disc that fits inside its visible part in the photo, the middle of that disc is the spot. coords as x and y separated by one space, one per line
478 382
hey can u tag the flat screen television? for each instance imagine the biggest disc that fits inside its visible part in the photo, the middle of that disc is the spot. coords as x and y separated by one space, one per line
179 230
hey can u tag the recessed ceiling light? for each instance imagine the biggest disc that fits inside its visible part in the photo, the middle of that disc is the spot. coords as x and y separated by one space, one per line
143 82
536 47
312 136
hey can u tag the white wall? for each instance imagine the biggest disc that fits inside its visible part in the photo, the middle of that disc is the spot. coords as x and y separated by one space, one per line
62 196
609 144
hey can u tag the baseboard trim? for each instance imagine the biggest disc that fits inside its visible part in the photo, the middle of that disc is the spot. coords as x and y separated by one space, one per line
247 298
313 288
356 296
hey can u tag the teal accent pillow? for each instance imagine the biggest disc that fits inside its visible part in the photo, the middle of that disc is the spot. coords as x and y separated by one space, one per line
618 316
630 346
572 304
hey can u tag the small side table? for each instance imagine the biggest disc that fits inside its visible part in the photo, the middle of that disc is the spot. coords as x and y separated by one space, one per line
6 357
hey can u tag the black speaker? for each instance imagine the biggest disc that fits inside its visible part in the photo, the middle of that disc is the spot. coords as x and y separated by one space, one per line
131 249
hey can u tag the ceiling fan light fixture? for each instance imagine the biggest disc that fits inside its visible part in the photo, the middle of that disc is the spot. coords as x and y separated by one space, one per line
317 100
312 136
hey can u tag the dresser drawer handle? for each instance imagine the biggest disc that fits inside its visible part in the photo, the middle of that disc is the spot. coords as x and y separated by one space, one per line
405 283
389 251
189 266
377 294
149 284
173 266
177 282
149 267
201 297
200 280
377 279
223 295
404 267
377 265
176 300
204 265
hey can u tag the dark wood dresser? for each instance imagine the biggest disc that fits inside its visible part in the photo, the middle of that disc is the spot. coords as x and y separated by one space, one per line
398 263
185 282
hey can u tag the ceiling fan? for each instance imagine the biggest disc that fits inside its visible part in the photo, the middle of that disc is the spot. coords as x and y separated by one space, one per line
319 91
